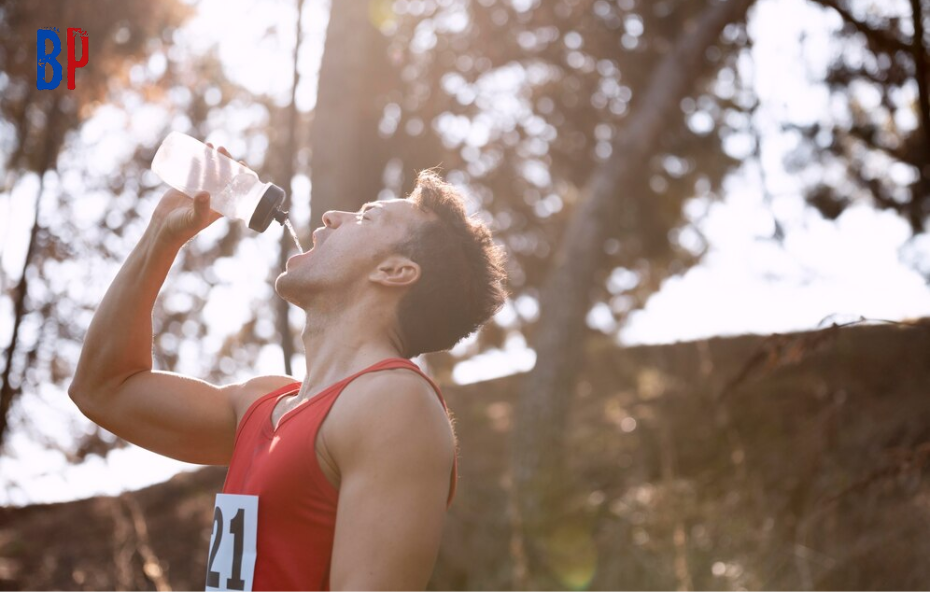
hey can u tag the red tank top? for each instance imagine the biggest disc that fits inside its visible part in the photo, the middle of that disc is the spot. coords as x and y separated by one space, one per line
296 502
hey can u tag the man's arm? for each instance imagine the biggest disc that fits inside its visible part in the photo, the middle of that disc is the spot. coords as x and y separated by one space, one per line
114 384
394 455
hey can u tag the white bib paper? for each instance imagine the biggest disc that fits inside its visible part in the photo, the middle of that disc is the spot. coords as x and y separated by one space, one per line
231 562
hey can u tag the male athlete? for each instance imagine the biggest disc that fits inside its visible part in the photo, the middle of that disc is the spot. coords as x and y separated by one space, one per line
365 432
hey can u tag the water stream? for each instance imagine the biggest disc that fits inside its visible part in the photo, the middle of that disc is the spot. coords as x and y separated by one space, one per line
290 228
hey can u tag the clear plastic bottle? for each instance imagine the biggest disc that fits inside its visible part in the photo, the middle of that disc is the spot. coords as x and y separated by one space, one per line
190 166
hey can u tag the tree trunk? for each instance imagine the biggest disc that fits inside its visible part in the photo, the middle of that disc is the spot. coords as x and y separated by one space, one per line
348 155
540 479
7 391
283 308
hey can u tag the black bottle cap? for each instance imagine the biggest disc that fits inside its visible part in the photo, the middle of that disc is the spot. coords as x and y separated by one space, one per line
268 209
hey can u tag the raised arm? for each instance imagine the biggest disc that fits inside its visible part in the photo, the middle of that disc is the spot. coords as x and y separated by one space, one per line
394 453
114 384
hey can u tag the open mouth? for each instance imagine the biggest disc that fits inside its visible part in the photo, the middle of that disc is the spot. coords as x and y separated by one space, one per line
318 239
297 256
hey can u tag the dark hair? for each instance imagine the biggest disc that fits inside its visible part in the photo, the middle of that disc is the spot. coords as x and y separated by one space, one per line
461 271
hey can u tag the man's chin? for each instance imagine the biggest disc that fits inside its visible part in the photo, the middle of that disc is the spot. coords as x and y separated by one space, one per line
288 287
283 286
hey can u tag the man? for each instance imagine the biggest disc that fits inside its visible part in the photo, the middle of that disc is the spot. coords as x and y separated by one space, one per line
365 431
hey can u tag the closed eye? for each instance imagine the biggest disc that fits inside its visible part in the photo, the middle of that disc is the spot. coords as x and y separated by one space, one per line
363 213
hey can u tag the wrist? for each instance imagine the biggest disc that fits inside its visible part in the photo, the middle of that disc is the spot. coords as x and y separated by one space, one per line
158 242
157 251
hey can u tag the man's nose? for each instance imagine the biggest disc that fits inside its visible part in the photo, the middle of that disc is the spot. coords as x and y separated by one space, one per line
333 218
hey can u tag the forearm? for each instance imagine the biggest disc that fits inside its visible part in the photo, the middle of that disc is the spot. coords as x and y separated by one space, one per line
119 340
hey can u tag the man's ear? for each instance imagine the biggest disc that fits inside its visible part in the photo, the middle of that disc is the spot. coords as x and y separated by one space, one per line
396 271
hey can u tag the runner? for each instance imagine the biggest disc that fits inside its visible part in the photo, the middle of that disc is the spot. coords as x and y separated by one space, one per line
365 432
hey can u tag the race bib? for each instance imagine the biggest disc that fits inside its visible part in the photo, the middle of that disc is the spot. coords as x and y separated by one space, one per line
231 564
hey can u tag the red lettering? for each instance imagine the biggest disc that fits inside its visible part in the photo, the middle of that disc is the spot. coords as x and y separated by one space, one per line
73 63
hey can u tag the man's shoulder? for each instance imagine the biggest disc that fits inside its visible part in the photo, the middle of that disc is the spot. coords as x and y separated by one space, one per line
262 385
390 406
249 391
401 394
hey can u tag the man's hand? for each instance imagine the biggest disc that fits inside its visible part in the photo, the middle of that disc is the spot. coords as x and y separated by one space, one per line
178 218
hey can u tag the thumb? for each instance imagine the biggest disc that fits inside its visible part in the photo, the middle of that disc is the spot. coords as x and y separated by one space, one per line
202 206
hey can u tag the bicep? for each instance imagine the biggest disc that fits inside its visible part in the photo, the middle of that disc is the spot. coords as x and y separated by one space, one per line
185 418
392 499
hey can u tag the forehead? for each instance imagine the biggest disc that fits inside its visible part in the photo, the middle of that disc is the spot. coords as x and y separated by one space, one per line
398 210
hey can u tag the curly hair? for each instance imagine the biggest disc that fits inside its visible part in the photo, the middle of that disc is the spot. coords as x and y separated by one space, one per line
462 275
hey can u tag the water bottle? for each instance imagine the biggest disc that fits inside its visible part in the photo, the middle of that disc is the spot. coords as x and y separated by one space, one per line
190 166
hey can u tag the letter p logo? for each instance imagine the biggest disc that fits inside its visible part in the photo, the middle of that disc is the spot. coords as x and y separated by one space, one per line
73 64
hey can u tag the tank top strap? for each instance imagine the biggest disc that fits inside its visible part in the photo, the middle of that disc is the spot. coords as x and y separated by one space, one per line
284 390
250 412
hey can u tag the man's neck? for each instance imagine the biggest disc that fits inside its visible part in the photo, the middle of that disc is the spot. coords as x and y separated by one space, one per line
339 345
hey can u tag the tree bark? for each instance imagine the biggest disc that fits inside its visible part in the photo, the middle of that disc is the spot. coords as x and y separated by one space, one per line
538 461
347 153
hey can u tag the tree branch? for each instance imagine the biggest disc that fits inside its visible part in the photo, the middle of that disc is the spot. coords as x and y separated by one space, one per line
923 101
869 140
877 37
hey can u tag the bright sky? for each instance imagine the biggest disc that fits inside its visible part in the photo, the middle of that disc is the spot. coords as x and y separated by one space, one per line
744 284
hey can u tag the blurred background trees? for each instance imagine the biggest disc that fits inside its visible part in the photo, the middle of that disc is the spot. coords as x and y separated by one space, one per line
876 145
584 132
81 158
37 125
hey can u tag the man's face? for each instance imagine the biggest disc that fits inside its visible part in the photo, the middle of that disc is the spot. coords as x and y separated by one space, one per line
346 249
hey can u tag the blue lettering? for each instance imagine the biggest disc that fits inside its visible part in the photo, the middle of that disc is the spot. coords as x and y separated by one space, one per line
50 59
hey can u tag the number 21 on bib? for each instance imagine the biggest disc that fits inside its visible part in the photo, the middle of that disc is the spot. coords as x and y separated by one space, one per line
231 563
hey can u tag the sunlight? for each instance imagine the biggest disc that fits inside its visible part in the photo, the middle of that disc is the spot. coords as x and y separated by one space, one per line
254 57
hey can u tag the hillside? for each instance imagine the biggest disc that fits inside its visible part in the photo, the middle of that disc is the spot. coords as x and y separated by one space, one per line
784 462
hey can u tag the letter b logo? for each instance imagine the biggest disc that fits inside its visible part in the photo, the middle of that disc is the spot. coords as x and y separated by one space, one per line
47 59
